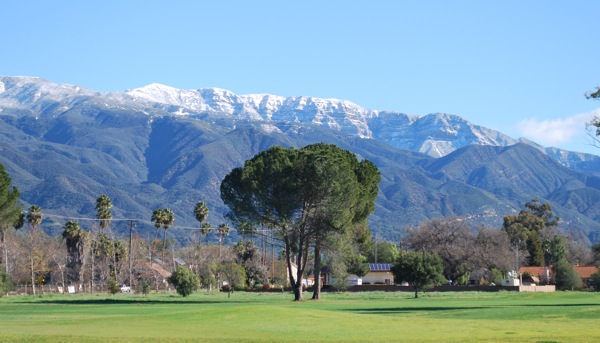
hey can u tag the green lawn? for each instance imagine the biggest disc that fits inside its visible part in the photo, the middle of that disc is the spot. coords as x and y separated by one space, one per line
346 317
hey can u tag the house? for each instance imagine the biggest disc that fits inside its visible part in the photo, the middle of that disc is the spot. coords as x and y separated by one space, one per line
585 273
379 274
544 274
538 274
306 282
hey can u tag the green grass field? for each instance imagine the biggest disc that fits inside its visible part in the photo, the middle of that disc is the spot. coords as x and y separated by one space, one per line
340 317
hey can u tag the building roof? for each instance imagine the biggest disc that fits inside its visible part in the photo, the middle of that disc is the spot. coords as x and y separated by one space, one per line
584 272
380 267
535 270
158 269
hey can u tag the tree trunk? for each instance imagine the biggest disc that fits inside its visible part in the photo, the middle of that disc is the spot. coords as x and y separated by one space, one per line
317 284
4 250
93 264
164 246
292 280
416 293
32 273
298 292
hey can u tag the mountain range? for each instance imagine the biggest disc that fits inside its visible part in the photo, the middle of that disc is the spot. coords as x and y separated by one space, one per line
159 146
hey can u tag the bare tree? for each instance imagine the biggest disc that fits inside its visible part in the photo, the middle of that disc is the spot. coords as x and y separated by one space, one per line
450 239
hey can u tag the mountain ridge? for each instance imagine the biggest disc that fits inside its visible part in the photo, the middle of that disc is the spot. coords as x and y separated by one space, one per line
64 145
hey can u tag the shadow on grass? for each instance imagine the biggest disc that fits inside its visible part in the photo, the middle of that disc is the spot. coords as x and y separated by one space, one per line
390 310
134 301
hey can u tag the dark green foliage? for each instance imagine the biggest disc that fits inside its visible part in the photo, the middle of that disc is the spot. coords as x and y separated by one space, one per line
103 210
247 255
596 253
495 276
200 212
113 286
420 269
593 95
383 252
565 276
5 283
10 207
207 273
554 250
34 216
113 251
163 218
357 265
303 194
185 281
595 281
75 240
526 229
143 286
233 274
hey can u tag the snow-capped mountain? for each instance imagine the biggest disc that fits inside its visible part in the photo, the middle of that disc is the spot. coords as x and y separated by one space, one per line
157 145
435 134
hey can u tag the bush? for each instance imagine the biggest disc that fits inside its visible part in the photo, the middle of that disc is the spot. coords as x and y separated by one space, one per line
113 286
143 287
185 281
566 277
5 284
595 281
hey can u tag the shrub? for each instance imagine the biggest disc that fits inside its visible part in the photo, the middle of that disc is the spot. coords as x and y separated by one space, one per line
113 286
143 287
5 283
566 277
595 281
185 281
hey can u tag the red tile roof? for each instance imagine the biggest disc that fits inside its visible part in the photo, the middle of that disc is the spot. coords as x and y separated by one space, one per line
585 272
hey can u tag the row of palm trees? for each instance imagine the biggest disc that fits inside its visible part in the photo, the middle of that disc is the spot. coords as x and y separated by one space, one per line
164 218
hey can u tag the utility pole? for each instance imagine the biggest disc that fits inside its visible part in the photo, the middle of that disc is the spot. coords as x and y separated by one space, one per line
375 248
131 225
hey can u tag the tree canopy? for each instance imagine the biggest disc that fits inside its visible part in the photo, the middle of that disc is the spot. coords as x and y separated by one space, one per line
10 206
419 268
526 229
185 281
302 194
593 126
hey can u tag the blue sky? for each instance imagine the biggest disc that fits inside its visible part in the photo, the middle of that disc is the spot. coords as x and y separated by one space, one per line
520 67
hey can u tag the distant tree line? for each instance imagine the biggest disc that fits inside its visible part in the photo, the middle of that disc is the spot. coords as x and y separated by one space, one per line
296 212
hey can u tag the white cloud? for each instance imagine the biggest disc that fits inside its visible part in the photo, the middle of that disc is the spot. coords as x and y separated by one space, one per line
554 132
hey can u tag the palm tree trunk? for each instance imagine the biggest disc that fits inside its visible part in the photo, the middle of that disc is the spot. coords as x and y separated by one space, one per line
220 240
164 245
32 273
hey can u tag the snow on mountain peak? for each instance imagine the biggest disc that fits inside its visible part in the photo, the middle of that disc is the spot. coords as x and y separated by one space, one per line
434 134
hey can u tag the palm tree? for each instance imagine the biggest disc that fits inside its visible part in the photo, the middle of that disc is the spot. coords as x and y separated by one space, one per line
34 219
205 230
201 213
103 206
157 218
168 220
223 230
75 241
247 229
103 213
